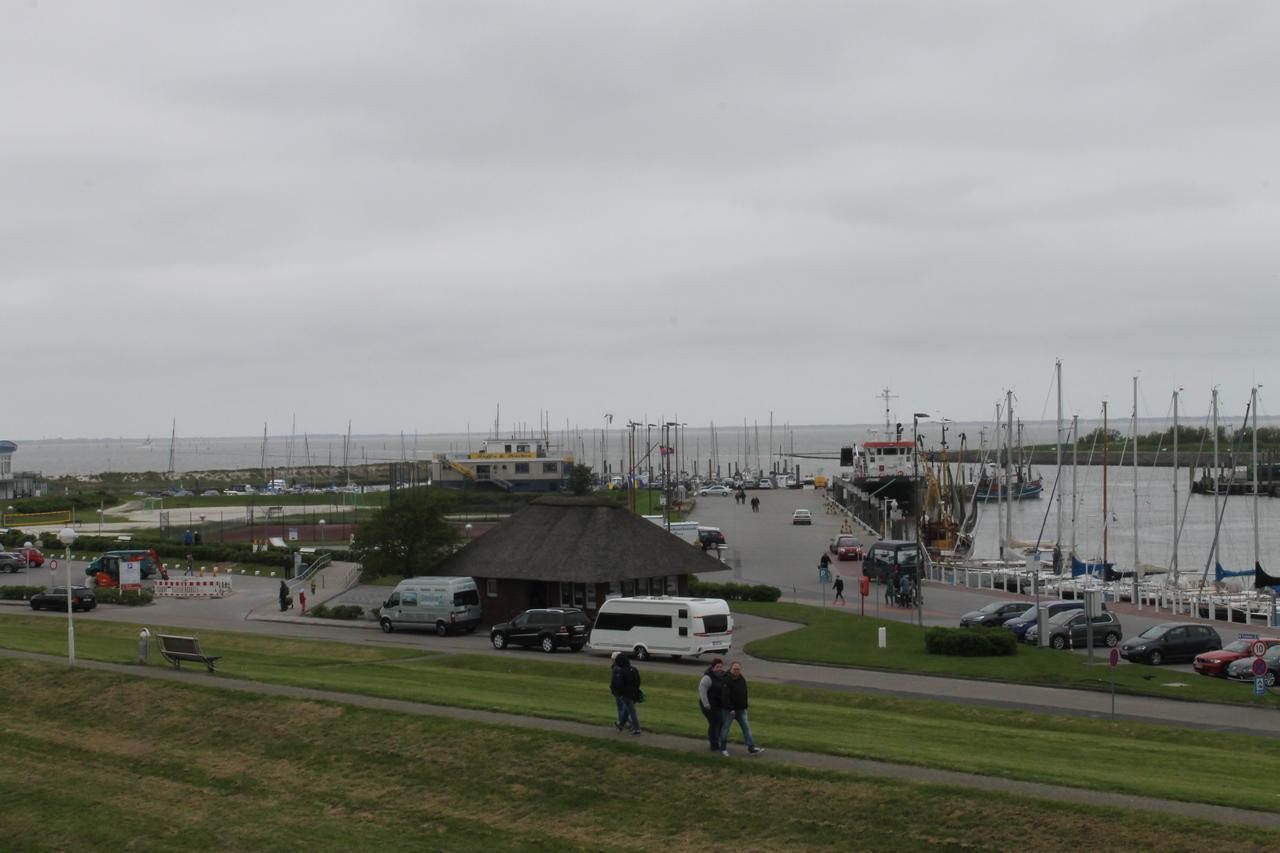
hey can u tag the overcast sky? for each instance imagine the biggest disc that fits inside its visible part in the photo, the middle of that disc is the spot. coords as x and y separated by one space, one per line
407 214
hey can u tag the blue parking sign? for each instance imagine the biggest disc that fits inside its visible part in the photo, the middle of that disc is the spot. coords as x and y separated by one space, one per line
1259 687
824 575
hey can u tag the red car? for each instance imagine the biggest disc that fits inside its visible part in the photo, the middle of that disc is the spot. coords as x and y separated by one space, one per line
1215 663
846 547
33 555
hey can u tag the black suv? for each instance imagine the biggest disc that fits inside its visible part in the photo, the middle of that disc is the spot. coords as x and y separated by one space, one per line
546 629
56 599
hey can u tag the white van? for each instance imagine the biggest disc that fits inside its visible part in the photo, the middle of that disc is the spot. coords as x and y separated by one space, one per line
648 625
686 530
438 604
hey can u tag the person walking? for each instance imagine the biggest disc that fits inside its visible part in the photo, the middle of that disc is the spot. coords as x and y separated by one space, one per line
624 684
839 588
284 596
736 689
302 600
191 564
889 589
713 701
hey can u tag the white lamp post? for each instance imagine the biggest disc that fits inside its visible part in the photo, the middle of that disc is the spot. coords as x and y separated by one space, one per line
322 530
468 528
66 537
99 521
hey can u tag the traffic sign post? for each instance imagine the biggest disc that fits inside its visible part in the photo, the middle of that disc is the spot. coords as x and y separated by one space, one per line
1259 667
1114 660
1259 687
1259 648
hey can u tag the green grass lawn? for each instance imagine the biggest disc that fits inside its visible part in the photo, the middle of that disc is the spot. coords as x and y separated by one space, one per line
106 762
833 636
1125 757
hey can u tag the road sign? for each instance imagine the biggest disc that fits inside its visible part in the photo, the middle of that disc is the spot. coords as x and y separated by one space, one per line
1259 649
824 575
1244 636
1259 687
53 565
1258 667
1114 657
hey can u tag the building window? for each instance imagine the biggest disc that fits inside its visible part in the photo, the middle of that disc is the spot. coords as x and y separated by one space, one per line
591 596
673 585
550 467
628 589
491 587
522 467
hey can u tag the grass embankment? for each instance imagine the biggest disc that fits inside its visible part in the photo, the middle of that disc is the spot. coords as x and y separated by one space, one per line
1149 760
105 762
832 636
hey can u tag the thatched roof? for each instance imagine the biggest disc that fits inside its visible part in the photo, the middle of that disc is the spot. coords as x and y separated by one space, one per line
580 540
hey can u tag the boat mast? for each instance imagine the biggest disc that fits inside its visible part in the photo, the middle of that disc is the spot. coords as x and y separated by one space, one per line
1133 431
1176 531
1008 476
1075 458
1215 476
1057 542
1106 518
1253 404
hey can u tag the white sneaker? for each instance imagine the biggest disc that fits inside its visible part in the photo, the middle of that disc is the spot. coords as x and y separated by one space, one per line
725 753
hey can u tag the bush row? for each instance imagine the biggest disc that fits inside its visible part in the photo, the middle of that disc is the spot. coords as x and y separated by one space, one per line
970 642
338 611
112 595
733 591
19 593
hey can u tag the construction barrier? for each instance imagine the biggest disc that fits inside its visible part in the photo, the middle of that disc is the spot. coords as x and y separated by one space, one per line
193 587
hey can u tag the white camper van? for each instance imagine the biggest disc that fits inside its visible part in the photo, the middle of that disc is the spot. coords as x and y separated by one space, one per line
649 625
437 604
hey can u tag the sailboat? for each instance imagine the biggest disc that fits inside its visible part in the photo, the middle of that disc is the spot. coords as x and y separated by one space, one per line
1016 485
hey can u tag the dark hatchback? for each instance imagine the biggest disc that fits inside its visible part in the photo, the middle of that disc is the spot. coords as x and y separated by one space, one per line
547 629
995 614
56 599
1169 643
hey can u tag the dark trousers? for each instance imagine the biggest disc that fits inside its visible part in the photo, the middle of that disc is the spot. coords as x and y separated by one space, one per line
714 725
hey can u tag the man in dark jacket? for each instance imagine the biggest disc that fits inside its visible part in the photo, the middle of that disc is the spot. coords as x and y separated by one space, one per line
713 701
736 688
624 684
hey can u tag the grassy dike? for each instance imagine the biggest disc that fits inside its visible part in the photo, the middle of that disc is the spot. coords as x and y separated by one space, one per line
1149 760
838 637
108 762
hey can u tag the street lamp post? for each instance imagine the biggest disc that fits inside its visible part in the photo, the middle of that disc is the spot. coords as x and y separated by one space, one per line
66 537
915 507
322 530
99 521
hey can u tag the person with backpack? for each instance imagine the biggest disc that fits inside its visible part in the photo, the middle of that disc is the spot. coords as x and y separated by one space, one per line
624 684
736 690
713 701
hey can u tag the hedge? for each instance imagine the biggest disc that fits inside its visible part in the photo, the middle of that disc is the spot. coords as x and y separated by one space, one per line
19 593
113 595
338 611
733 591
970 642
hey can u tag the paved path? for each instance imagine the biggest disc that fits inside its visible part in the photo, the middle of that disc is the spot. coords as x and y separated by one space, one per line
811 761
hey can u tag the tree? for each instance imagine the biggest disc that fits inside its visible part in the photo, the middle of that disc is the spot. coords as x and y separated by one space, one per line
408 537
580 480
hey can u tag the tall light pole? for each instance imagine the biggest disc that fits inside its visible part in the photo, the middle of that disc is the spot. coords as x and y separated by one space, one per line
67 536
666 476
915 506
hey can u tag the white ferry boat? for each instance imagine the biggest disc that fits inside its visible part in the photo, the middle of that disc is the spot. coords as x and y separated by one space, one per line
514 464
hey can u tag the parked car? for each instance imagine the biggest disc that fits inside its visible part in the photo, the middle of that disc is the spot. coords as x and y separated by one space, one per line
711 536
802 516
1071 628
210 493
764 484
994 614
1215 663
1170 642
56 599
721 491
1019 624
846 547
1242 668
31 555
11 562
547 629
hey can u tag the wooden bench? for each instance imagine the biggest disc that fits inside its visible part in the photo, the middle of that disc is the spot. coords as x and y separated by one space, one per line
177 649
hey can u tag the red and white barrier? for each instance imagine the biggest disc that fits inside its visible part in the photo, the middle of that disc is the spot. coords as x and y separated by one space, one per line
193 587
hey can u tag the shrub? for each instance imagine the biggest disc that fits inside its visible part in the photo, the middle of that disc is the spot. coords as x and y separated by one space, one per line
19 593
113 595
733 591
969 642
338 611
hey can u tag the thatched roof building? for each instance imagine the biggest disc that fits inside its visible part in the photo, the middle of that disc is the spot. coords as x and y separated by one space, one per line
574 551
